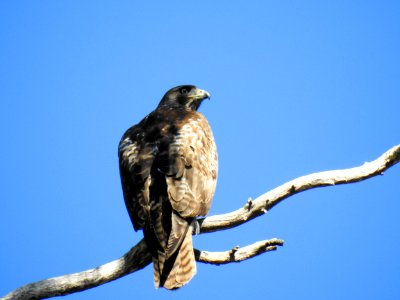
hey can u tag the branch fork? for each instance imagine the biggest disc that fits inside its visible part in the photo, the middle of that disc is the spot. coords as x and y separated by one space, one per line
139 257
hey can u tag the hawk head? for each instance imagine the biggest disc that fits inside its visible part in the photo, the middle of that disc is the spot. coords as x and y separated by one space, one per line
188 96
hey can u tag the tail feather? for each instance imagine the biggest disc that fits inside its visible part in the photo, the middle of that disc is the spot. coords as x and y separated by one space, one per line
158 264
178 269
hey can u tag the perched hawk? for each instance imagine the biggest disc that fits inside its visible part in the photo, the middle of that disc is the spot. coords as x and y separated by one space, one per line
168 165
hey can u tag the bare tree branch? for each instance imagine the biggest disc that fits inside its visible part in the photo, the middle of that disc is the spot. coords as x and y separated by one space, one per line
259 206
237 254
138 257
135 259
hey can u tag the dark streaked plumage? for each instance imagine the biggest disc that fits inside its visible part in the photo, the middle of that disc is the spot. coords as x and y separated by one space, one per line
168 166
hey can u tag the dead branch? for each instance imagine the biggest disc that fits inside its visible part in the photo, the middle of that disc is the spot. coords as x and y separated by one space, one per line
237 254
138 257
259 206
135 259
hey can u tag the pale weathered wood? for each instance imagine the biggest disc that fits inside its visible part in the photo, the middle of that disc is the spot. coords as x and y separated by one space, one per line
135 259
237 254
259 206
138 257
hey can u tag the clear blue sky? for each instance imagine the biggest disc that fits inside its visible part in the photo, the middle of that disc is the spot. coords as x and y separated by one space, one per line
297 87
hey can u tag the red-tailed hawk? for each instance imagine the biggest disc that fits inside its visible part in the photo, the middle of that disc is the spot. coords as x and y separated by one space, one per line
168 167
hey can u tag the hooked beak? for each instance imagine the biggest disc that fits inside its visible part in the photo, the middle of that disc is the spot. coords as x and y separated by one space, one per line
202 94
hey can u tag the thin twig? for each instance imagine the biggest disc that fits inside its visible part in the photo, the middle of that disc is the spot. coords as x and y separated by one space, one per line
237 254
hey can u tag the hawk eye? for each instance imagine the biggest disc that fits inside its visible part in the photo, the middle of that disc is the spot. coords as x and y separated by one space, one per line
184 91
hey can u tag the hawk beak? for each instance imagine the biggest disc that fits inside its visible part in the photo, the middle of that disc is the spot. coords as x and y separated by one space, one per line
208 96
202 94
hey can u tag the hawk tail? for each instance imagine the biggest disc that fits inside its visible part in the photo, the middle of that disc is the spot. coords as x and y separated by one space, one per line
177 270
